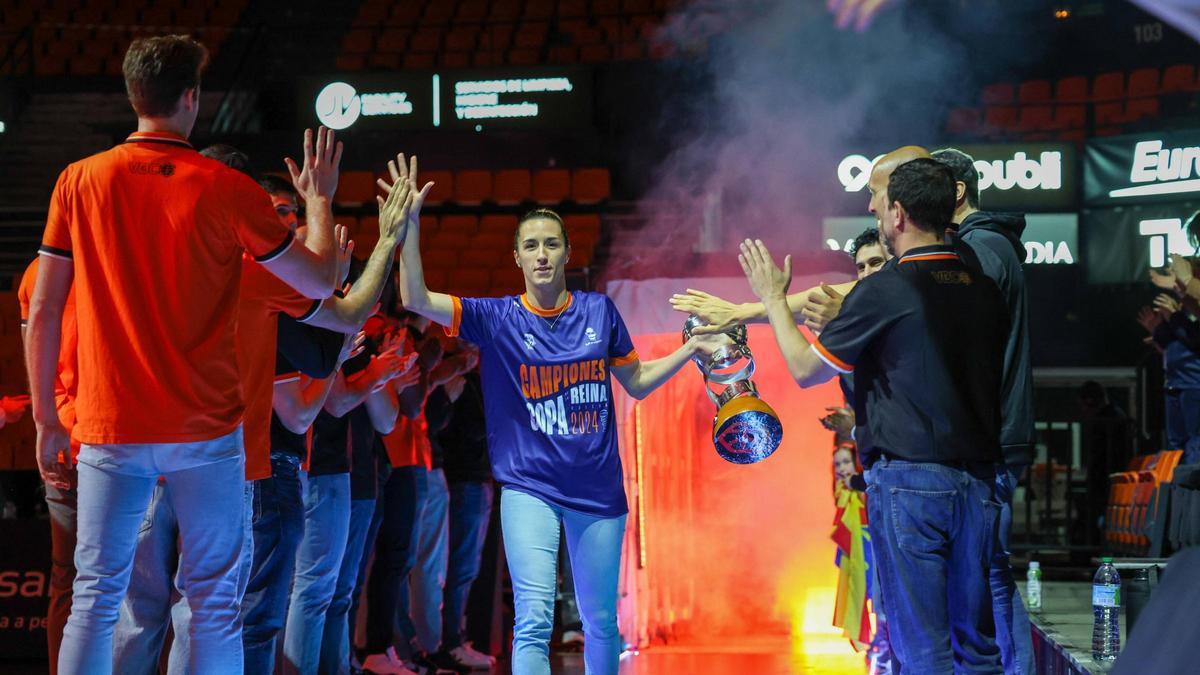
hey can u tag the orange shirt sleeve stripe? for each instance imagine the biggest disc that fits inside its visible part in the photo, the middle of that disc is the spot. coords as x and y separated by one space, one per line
455 317
828 357
631 357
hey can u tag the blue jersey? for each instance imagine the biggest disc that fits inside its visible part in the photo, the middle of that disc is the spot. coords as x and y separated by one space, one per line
548 396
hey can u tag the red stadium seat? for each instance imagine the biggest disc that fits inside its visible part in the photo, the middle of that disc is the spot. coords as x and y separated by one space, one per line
1071 90
369 225
435 278
507 281
456 59
471 11
572 9
1000 118
477 258
419 61
508 10
459 223
564 54
349 62
384 61
551 186
443 186
631 51
1076 136
499 243
591 186
405 14
524 57
1034 91
1070 117
357 42
440 258
513 186
392 40
586 35
1108 87
426 41
498 36
462 39
438 13
472 186
1180 77
962 121
1035 118
356 187
595 54
538 9
470 282
583 227
1137 109
637 6
1143 82
498 224
486 59
531 35
999 93
606 7
1108 114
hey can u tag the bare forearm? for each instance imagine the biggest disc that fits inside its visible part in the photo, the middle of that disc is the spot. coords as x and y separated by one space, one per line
437 307
319 239
348 394
383 408
650 375
348 314
756 312
44 338
795 348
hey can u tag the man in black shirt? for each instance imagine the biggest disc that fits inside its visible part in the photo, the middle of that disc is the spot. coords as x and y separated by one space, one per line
925 340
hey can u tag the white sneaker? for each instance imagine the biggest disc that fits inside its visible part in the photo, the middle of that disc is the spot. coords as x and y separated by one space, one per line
386 663
466 655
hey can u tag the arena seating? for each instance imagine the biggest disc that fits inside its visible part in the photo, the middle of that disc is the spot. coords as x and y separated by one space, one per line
1134 496
1060 110
480 33
89 37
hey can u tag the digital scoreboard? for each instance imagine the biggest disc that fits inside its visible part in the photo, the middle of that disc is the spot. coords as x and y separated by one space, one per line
531 98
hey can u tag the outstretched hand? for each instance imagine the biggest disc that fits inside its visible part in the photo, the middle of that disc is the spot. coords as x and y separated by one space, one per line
822 305
318 177
719 314
767 280
395 209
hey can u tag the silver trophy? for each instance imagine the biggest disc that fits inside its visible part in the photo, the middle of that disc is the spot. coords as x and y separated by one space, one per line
745 429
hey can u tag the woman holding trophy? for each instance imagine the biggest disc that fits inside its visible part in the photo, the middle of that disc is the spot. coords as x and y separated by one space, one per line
546 360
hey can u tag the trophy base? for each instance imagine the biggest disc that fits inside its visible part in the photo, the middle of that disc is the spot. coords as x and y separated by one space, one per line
746 430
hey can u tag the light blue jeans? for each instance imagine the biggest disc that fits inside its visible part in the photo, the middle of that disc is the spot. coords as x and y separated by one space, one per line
155 597
318 561
531 530
427 582
115 486
335 645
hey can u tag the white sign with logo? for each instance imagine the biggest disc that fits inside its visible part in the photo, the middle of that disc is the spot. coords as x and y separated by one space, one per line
339 105
1145 168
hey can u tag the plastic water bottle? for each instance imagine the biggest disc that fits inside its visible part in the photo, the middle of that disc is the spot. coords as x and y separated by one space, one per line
1033 586
1106 606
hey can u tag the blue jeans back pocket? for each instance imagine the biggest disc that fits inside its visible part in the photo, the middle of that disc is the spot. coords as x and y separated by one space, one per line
922 519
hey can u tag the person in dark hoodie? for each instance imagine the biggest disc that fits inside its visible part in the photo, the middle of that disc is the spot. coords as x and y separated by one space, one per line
995 239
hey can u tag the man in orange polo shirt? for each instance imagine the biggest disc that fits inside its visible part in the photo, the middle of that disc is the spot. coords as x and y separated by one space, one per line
152 234
61 503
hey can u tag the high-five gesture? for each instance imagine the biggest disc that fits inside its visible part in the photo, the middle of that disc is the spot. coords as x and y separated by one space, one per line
395 210
318 177
766 279
343 245
401 171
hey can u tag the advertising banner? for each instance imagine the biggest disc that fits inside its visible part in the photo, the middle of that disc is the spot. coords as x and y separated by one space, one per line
1149 168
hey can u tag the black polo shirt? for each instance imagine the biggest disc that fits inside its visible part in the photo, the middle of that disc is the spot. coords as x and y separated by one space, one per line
924 337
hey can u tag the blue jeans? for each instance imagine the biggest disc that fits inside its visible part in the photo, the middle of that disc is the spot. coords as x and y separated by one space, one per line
155 598
278 525
335 641
470 512
62 507
318 560
531 531
1183 422
933 527
395 556
116 483
427 583
368 558
1012 623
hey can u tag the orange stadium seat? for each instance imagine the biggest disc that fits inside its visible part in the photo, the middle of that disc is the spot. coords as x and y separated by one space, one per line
356 187
590 186
1071 90
1000 118
443 186
1137 109
469 281
513 186
583 227
551 186
1070 117
479 258
1109 114
473 186
1035 118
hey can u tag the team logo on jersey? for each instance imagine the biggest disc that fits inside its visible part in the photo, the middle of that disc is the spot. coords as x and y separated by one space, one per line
154 168
592 338
530 343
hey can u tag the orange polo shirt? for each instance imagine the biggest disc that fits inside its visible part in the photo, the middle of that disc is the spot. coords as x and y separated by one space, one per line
408 444
156 233
264 296
65 385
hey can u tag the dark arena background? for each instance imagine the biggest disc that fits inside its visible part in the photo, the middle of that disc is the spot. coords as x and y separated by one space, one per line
665 132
